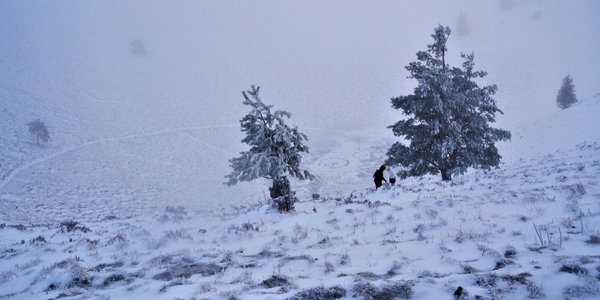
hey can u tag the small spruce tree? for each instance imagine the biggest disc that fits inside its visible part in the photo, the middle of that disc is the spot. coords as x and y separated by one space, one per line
447 117
38 129
566 94
275 151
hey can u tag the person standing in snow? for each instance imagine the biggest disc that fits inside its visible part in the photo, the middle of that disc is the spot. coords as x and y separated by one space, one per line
391 175
378 177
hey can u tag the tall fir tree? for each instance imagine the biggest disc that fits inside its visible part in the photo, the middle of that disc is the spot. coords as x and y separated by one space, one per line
275 150
566 95
448 117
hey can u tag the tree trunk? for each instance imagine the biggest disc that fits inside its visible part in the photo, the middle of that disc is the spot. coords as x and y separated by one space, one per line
283 197
281 187
446 176
443 60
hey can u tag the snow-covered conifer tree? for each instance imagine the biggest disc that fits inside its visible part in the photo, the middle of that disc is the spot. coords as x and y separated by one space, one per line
275 150
447 117
566 94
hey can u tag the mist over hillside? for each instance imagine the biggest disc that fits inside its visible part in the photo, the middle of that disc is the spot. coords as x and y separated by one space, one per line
143 97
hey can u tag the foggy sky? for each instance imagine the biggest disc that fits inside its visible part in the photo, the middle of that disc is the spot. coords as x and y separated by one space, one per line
345 58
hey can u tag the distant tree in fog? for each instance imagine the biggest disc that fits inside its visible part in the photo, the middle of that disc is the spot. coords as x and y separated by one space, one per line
566 94
138 48
506 4
39 130
447 118
462 28
275 150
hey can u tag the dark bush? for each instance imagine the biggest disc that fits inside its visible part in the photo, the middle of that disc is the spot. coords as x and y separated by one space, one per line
68 226
520 278
39 240
594 239
187 270
275 281
510 253
396 290
574 269
468 269
486 280
503 262
80 282
103 266
51 287
320 293
113 278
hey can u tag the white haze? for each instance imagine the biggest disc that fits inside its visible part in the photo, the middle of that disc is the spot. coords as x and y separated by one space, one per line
160 128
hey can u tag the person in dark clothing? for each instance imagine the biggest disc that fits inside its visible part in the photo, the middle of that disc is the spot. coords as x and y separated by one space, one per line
378 177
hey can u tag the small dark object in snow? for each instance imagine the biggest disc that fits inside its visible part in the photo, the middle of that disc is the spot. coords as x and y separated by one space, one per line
368 275
316 196
320 293
458 292
510 253
80 282
520 278
394 290
573 269
103 266
187 270
68 226
113 278
594 239
501 263
274 281
51 287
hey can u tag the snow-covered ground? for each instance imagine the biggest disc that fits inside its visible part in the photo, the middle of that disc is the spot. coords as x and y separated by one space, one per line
528 230
127 199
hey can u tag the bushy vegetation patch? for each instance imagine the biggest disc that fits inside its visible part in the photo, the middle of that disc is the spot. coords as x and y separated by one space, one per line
275 281
574 269
182 270
395 290
320 293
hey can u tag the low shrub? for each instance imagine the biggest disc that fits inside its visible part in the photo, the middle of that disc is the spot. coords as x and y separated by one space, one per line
320 293
395 290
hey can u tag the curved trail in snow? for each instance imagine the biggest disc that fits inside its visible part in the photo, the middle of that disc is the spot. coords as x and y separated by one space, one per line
35 162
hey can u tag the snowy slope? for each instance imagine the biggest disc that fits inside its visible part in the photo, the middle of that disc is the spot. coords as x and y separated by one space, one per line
530 230
557 130
161 126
